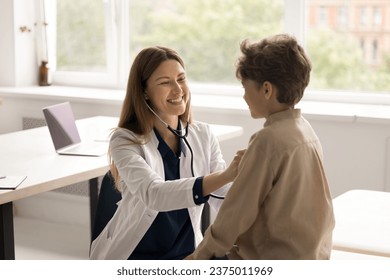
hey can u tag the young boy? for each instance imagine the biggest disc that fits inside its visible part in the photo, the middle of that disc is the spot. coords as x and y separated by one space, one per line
279 206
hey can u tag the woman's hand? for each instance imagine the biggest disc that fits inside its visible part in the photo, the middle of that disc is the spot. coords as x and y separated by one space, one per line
232 169
214 181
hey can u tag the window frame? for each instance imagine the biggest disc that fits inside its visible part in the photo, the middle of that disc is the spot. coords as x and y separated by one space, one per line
114 52
116 45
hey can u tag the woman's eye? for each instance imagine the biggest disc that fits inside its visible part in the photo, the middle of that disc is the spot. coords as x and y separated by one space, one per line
164 83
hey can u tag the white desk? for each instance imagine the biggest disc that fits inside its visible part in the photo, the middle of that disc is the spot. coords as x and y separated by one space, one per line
31 153
362 222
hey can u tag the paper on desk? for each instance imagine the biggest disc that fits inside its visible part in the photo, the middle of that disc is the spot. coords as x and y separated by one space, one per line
11 182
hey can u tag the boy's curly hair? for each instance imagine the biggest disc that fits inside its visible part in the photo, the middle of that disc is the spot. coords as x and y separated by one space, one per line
278 59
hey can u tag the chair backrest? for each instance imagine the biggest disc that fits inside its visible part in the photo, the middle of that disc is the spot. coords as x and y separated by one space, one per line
107 204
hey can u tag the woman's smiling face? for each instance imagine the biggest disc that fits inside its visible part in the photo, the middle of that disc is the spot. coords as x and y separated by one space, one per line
167 90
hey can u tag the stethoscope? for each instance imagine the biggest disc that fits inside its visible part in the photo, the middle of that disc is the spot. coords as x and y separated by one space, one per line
182 134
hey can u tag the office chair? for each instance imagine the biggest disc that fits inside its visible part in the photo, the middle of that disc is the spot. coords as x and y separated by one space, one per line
107 204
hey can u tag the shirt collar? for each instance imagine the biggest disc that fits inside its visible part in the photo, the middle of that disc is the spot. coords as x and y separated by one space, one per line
286 114
163 146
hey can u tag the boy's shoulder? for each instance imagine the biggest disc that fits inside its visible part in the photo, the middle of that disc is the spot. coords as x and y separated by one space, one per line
284 133
262 137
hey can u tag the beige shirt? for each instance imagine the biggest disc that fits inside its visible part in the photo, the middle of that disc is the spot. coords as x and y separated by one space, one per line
279 206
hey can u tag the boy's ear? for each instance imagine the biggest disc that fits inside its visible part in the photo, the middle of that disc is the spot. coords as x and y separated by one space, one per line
268 90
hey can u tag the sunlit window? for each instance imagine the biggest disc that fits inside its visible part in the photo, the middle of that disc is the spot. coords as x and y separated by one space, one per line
378 16
92 35
363 15
322 15
81 38
343 17
347 40
205 33
355 57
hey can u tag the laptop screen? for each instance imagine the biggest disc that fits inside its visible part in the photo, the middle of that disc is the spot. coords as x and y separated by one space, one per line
61 124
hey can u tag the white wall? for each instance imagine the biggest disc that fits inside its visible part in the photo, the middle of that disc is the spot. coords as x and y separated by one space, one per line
17 48
25 54
7 43
356 154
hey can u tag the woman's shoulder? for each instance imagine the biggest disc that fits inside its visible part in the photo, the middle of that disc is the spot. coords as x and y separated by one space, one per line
200 127
123 134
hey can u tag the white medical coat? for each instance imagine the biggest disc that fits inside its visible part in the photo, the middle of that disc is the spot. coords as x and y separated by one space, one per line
145 191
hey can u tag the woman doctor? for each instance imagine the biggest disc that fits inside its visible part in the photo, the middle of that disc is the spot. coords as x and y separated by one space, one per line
166 165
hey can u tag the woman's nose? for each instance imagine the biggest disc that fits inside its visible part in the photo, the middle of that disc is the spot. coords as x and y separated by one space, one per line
177 87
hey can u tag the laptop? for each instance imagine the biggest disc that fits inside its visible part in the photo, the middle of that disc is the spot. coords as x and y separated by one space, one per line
65 136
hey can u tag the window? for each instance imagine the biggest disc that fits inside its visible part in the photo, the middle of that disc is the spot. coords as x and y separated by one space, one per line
363 16
349 59
81 45
377 16
322 15
343 17
207 35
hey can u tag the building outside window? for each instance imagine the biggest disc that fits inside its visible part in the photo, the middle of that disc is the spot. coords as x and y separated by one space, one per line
356 58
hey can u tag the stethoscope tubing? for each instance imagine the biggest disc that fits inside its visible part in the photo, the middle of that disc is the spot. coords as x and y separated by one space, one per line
179 134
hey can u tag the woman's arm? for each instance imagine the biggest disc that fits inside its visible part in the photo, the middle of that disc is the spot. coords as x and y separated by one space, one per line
145 179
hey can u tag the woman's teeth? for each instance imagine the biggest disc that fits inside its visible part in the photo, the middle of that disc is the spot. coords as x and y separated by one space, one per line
178 100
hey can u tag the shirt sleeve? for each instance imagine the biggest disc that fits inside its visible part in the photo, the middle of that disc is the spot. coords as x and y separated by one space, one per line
197 192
